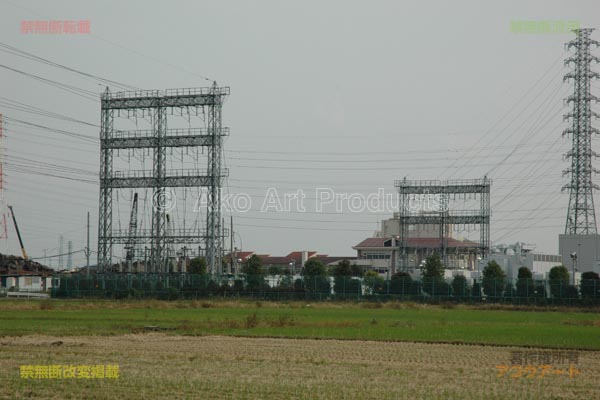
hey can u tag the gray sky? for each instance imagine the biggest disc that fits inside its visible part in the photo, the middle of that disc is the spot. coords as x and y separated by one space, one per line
341 94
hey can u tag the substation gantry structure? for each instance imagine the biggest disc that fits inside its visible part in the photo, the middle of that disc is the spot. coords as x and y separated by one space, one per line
160 237
444 216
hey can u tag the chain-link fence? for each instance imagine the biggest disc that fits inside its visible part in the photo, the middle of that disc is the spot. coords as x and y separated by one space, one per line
286 287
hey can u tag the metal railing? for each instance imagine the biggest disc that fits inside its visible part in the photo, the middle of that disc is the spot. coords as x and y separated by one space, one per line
184 285
171 173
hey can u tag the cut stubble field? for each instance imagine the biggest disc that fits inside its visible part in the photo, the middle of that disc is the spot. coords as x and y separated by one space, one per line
221 349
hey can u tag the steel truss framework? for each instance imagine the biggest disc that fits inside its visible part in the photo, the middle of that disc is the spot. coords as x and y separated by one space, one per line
159 179
581 217
444 217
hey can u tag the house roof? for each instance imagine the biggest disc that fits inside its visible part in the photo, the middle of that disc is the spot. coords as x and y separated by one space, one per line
325 259
296 257
15 265
242 254
418 243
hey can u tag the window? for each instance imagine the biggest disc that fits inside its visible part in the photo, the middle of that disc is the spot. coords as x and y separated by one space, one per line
375 256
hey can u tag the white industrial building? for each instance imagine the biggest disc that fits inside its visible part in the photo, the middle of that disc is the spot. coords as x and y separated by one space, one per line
580 252
514 256
26 283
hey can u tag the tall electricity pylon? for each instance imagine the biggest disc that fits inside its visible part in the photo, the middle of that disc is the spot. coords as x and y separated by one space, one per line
581 218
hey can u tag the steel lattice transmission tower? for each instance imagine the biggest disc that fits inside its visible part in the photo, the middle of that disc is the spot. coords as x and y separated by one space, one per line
160 141
581 218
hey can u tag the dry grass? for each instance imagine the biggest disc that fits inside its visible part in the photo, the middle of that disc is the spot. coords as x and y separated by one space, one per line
582 323
27 305
159 366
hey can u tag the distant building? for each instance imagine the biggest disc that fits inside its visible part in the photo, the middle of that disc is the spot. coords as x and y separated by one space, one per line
293 262
585 247
380 254
26 275
26 281
425 240
514 256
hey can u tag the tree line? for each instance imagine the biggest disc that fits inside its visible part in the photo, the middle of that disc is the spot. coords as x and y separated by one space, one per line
344 280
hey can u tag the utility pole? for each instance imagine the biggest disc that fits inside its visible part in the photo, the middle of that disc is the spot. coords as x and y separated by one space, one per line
61 249
69 255
87 247
231 246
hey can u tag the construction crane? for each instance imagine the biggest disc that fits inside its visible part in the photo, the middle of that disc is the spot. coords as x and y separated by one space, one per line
18 233
130 246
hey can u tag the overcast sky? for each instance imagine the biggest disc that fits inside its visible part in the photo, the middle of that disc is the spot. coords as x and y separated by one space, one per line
347 95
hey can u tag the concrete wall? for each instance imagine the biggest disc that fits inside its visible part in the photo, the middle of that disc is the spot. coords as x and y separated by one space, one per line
27 282
587 248
30 282
10 282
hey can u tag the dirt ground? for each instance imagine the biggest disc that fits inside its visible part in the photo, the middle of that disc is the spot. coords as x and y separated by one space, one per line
160 366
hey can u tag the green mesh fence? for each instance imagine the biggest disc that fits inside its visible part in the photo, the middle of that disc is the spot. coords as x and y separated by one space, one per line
189 286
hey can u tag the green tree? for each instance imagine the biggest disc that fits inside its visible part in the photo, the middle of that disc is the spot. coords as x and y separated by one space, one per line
590 285
315 276
275 270
254 273
253 265
509 291
433 277
433 267
343 268
314 267
524 273
558 278
286 283
525 284
374 283
402 283
493 279
460 288
357 270
198 266
476 290
343 283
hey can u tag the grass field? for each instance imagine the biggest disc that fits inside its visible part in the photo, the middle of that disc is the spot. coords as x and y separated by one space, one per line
392 322
218 349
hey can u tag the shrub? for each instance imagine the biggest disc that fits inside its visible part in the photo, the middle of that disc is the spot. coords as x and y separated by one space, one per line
436 286
493 280
590 285
401 283
558 278
374 284
314 267
172 293
347 285
317 284
460 288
